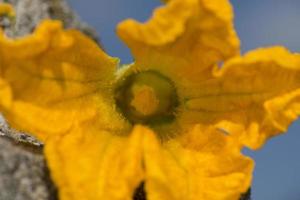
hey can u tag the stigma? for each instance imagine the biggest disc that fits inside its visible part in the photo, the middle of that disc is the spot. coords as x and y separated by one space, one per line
144 100
147 97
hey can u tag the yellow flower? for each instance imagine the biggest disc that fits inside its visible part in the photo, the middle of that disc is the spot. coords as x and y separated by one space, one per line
173 120
7 10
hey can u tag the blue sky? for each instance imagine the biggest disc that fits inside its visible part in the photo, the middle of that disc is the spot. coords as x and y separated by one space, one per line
258 23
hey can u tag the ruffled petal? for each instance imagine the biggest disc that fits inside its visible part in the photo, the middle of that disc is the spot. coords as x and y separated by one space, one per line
7 9
5 94
57 78
183 39
91 164
204 165
258 92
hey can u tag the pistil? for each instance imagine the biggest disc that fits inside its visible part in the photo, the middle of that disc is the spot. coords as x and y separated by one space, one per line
147 98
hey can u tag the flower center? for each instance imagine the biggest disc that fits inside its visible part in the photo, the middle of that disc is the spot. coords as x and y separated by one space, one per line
147 97
144 100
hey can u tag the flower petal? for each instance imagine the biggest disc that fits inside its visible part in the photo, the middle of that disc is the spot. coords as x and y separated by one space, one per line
259 92
7 9
5 94
212 169
183 38
91 164
56 77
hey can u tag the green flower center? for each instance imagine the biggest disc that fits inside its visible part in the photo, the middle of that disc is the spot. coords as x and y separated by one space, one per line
147 98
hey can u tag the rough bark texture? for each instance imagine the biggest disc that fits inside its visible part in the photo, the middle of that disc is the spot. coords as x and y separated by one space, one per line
23 171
